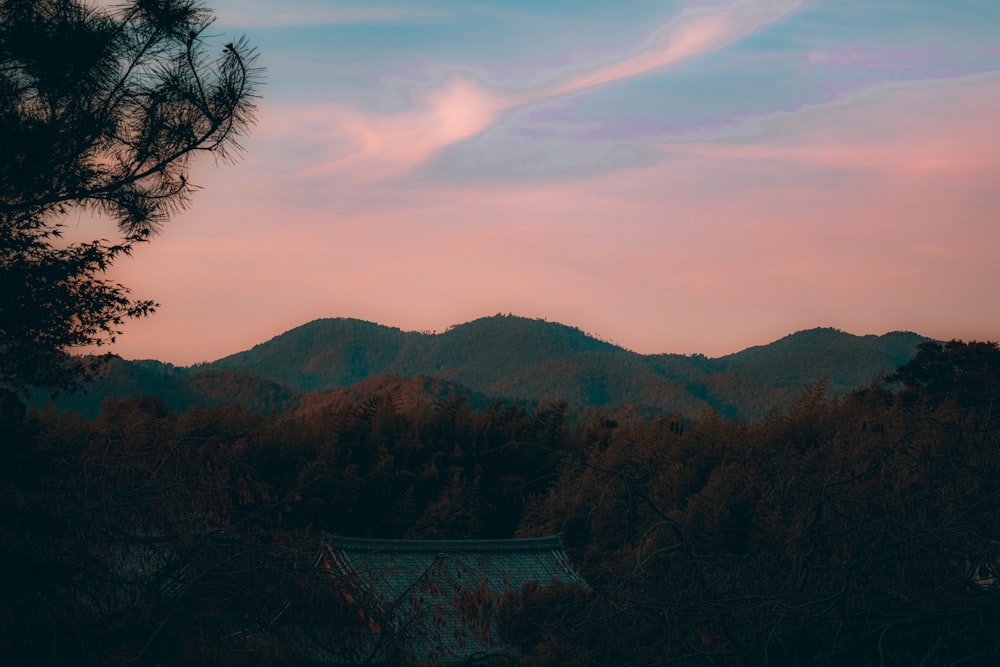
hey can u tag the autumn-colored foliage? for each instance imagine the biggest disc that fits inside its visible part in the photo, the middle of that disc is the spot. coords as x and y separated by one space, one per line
845 531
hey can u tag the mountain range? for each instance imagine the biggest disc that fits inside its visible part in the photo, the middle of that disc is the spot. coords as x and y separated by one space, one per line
332 361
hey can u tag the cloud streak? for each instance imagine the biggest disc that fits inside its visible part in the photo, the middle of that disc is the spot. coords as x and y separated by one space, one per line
371 147
856 133
694 32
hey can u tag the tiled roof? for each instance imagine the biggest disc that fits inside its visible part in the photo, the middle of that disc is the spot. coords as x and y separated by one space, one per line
425 587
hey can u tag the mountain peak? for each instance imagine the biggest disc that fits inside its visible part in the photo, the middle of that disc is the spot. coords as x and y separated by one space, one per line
518 358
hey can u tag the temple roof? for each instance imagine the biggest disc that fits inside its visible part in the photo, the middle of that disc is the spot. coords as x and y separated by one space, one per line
500 564
441 593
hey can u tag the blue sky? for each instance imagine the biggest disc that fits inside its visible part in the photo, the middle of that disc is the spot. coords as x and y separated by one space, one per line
672 176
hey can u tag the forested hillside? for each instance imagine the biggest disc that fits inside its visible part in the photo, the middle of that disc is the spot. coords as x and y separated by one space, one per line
849 530
508 358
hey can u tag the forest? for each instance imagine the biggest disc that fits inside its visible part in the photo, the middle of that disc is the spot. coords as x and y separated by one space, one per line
847 528
859 530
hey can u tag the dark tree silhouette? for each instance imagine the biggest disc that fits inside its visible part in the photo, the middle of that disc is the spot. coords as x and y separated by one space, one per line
100 110
966 372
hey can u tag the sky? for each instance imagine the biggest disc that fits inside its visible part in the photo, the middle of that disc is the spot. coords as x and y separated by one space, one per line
670 176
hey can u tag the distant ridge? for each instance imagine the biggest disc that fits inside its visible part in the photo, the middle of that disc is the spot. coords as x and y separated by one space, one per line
325 354
512 358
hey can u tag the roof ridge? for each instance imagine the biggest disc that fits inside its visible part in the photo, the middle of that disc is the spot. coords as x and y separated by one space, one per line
503 544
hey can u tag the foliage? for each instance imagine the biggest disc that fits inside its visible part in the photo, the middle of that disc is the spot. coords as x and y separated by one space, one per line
552 624
54 299
956 370
851 531
100 110
149 535
150 538
858 530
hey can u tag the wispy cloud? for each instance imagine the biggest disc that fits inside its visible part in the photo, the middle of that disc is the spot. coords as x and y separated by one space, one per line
369 146
694 32
876 131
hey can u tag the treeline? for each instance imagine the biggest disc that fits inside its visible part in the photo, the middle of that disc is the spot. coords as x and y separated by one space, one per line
855 531
844 531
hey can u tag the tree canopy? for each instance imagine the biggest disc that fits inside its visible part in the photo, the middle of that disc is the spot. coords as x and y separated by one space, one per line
858 530
101 110
966 372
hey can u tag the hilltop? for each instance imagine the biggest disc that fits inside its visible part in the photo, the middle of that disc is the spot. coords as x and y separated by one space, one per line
507 358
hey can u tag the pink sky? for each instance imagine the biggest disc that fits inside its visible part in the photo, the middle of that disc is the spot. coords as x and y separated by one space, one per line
871 205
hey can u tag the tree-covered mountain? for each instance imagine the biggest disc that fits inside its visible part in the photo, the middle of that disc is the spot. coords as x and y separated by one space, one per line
523 358
178 387
508 357
761 378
